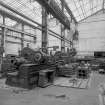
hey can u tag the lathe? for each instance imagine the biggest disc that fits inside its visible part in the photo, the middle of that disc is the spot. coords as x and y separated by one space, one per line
24 70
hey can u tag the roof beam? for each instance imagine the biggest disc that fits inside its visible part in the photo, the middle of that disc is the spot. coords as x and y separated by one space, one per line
20 14
89 16
84 8
81 8
76 8
52 7
68 10
16 30
3 12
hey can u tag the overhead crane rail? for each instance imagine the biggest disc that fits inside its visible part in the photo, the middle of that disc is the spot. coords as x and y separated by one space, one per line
69 11
53 8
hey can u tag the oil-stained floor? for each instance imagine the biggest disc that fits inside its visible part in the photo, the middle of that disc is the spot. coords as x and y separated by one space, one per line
53 95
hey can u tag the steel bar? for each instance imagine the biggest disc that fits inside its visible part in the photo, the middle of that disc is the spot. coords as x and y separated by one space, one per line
8 35
17 30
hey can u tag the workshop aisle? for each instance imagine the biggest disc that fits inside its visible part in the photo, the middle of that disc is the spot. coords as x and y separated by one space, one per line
53 95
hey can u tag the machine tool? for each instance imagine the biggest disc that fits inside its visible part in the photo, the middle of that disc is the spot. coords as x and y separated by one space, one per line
26 68
36 57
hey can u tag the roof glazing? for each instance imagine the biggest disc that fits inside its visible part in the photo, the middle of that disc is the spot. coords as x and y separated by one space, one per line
80 8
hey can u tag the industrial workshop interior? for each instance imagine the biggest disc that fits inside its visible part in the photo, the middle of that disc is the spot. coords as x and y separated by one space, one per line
52 52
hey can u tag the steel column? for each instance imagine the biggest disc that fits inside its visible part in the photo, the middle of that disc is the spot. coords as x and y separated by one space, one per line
22 37
2 43
44 30
3 37
62 40
62 33
3 34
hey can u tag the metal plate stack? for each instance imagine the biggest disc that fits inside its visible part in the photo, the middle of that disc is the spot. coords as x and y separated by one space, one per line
66 70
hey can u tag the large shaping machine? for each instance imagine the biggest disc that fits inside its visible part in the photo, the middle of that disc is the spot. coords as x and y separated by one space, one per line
24 70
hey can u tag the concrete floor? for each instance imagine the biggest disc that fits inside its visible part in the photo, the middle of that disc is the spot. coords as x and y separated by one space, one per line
48 96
